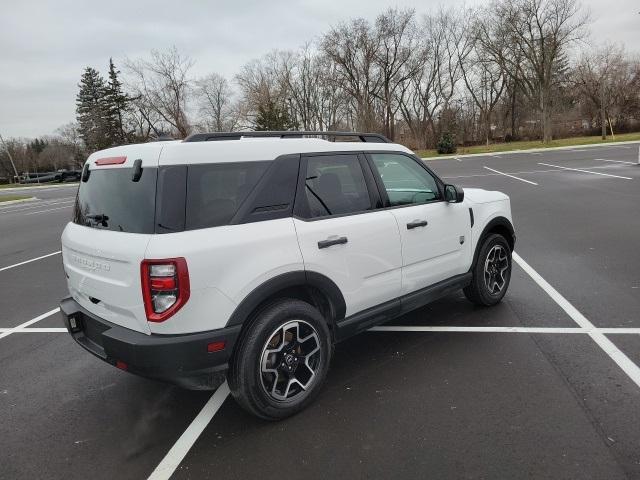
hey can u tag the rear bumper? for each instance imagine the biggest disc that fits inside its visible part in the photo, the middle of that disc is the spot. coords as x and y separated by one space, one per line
179 359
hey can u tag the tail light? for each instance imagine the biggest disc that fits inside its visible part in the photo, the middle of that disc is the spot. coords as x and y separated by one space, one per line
165 287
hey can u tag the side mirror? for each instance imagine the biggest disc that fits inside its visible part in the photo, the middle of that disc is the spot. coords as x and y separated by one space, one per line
453 194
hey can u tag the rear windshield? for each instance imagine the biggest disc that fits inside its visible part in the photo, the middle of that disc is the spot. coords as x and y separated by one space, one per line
111 200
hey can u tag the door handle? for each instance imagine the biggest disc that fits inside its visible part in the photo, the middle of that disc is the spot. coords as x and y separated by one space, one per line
332 241
416 224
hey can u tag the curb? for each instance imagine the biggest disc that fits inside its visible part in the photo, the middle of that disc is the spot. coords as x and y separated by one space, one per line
533 150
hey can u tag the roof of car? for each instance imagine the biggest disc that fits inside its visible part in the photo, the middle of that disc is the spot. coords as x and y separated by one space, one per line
256 149
246 149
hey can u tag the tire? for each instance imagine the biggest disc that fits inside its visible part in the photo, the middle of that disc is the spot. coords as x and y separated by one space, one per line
491 272
274 379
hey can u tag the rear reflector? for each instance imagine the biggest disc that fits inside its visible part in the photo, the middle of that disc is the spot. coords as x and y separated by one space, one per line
162 283
216 346
121 365
111 161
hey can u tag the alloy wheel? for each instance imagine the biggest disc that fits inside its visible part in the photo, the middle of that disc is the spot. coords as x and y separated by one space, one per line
290 359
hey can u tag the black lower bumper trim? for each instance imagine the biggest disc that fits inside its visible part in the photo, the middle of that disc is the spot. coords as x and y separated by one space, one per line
179 359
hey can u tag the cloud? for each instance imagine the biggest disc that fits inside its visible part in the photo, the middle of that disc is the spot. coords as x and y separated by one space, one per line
46 45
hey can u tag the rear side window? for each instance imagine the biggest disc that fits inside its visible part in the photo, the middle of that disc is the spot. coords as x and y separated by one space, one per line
110 200
216 191
335 185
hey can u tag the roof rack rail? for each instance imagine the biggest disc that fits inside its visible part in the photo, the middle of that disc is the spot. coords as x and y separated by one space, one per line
363 137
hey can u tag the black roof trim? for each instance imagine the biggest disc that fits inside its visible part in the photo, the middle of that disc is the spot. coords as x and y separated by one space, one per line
363 137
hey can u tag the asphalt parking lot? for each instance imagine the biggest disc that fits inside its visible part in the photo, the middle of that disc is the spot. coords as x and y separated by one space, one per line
545 385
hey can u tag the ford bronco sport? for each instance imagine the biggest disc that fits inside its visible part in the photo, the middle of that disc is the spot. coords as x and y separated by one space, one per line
247 256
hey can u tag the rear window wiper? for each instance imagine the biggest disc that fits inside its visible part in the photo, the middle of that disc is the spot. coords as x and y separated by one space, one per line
100 218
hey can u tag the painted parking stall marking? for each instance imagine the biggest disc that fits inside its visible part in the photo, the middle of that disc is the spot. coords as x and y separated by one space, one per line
33 204
29 322
30 260
585 171
34 330
48 210
511 176
172 459
615 161
630 368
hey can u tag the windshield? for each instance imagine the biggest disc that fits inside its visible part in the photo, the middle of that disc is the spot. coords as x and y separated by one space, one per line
111 200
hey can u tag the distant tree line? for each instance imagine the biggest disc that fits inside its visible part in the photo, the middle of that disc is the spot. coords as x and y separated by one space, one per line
507 70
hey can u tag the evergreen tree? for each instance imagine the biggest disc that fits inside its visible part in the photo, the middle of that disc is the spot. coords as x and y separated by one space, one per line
91 111
272 117
37 145
116 103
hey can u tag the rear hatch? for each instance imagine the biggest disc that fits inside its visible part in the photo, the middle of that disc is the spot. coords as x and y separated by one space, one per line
114 219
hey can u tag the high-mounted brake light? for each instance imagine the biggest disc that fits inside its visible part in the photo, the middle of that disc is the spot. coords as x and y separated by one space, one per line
111 161
165 287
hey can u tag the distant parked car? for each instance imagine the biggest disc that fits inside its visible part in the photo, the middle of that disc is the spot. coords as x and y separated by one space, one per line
57 176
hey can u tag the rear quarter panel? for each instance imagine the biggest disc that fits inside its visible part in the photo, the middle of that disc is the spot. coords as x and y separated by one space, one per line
225 264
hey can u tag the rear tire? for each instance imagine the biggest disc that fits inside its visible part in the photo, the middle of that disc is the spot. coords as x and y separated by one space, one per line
282 360
491 272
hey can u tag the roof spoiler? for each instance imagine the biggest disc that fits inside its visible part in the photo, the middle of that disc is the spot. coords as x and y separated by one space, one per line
363 137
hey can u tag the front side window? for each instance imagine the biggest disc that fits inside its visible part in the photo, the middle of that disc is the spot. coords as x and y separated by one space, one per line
335 185
405 181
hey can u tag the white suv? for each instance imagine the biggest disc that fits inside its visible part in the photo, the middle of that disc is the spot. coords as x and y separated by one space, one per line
249 255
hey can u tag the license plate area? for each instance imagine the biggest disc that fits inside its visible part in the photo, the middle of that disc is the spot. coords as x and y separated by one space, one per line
75 323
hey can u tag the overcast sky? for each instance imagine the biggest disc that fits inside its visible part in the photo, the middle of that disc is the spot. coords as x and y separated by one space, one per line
44 45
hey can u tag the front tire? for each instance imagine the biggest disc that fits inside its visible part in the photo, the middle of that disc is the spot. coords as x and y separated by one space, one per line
491 272
282 360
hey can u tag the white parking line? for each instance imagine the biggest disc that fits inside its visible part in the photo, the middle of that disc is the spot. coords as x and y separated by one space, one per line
36 203
30 322
49 210
585 171
615 161
29 261
510 173
419 328
172 460
511 176
395 328
33 330
630 368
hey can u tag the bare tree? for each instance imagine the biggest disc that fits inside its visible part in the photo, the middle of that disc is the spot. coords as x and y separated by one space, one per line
353 48
261 83
484 79
540 32
70 136
215 103
397 34
161 86
605 81
425 97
